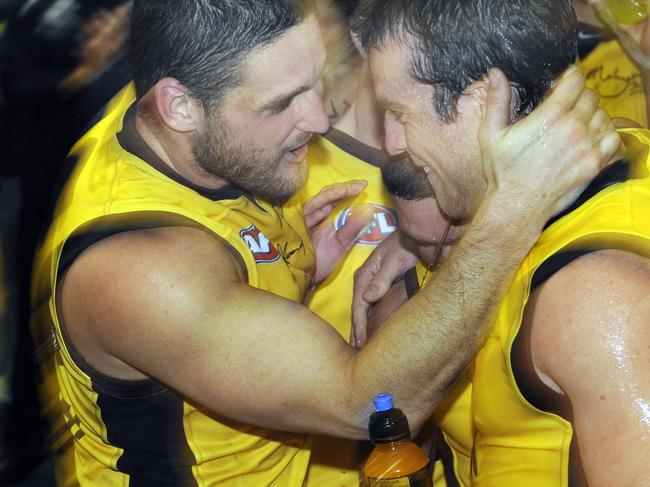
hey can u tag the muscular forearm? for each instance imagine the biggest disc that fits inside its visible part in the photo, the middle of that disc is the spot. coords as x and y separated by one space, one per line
423 346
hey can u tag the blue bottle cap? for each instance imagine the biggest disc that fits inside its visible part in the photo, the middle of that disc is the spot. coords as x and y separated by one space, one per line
383 402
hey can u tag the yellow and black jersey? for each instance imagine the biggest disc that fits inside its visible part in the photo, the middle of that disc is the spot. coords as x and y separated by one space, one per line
335 158
140 433
500 424
522 436
611 73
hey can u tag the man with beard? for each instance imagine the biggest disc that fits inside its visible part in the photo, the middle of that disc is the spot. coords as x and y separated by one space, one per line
560 392
170 280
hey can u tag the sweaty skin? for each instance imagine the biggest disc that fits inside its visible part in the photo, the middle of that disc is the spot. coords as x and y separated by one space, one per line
147 303
590 342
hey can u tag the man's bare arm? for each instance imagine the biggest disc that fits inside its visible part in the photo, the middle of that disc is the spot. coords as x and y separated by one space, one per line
171 304
590 341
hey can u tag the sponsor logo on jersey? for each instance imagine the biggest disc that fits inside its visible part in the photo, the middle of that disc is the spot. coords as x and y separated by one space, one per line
384 223
261 247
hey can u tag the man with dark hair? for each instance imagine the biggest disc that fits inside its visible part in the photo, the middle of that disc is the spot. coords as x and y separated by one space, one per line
171 279
560 392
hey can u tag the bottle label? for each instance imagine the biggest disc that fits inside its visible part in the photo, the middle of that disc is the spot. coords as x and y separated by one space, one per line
421 478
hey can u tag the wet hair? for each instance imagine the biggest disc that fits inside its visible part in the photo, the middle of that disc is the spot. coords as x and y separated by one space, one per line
455 42
203 43
404 180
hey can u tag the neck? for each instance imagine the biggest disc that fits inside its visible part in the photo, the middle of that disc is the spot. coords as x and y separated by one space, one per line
363 120
174 149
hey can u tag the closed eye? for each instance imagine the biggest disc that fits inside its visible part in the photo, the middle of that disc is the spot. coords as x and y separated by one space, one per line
281 106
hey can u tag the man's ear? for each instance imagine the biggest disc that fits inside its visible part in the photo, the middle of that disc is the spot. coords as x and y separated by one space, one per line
177 108
477 93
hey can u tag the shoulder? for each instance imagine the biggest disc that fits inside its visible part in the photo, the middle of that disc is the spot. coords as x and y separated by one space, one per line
165 248
582 312
134 276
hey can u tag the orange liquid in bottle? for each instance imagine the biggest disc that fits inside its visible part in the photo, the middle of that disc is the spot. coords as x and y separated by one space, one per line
395 461
398 464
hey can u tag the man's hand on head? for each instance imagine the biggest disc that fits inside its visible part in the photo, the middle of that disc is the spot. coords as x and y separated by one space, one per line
539 165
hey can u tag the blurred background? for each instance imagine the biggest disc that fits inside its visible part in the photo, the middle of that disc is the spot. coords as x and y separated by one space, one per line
62 60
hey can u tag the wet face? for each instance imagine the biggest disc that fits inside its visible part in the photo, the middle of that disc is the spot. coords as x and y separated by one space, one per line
257 137
419 215
449 150
421 221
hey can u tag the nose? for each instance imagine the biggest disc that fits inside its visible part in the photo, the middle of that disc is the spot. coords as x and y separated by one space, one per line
395 135
314 119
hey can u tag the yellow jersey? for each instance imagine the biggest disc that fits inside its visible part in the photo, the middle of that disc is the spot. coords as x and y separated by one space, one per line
453 414
334 158
519 439
498 431
140 432
611 73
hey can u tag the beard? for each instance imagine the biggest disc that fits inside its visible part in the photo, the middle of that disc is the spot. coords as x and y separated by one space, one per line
220 153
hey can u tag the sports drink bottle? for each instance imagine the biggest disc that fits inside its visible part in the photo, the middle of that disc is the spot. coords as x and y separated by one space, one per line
395 460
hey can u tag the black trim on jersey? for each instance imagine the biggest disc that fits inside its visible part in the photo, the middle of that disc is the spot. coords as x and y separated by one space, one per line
555 263
616 173
411 282
90 234
83 239
531 387
528 382
119 387
356 148
445 455
131 141
106 226
145 420
589 38
142 417
150 431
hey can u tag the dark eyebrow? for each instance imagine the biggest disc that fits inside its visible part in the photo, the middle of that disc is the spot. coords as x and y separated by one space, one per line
281 98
